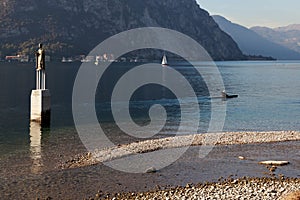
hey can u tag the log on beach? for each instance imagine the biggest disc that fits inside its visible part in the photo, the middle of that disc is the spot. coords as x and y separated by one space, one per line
274 162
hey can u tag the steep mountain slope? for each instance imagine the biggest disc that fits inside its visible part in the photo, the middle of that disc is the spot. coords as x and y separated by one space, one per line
75 26
254 44
288 36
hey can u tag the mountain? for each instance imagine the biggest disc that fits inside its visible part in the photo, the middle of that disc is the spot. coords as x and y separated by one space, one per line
252 43
292 27
288 36
71 27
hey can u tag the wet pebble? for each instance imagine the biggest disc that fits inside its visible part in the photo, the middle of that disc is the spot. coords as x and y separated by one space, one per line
244 188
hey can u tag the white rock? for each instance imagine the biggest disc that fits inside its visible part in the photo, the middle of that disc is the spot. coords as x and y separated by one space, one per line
151 170
274 162
242 158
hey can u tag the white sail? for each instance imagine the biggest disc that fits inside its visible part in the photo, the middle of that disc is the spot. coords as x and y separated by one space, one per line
164 60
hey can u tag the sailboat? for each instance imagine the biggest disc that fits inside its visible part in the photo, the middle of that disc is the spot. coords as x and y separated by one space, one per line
164 61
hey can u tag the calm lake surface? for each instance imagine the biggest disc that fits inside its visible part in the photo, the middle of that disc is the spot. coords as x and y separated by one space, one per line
269 99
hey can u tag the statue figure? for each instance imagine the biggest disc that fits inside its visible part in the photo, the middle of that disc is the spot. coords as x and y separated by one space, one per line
40 68
40 55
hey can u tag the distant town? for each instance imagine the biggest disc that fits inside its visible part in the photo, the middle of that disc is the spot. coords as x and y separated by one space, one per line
69 59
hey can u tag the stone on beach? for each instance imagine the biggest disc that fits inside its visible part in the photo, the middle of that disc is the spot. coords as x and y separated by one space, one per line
151 170
242 158
292 196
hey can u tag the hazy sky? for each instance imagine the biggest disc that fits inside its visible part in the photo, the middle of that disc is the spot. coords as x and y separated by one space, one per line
271 13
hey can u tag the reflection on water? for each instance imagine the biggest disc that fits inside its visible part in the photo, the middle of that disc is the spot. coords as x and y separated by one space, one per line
268 100
36 132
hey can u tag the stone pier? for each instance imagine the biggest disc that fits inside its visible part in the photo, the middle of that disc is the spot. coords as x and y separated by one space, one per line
40 106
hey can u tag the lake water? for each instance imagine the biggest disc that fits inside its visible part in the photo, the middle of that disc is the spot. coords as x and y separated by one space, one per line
269 99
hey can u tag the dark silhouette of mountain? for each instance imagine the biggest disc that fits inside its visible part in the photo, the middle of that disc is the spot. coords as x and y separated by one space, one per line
252 43
288 36
70 27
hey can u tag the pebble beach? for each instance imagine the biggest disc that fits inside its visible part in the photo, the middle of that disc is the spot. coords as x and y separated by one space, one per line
230 138
232 170
244 188
270 187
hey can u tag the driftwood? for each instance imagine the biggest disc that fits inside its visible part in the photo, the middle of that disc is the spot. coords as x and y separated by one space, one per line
274 162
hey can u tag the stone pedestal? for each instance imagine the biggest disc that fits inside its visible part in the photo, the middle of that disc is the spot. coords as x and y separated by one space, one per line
40 106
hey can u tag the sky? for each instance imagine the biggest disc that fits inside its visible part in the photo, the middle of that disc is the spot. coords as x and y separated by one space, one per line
269 13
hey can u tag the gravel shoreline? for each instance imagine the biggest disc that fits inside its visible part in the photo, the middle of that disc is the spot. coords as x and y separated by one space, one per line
243 188
84 181
229 138
272 187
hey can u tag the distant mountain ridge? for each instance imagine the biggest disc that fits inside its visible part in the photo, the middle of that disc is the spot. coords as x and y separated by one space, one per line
69 27
252 43
291 27
288 36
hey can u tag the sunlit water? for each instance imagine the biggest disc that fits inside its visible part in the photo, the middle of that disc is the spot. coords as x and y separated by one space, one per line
269 99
